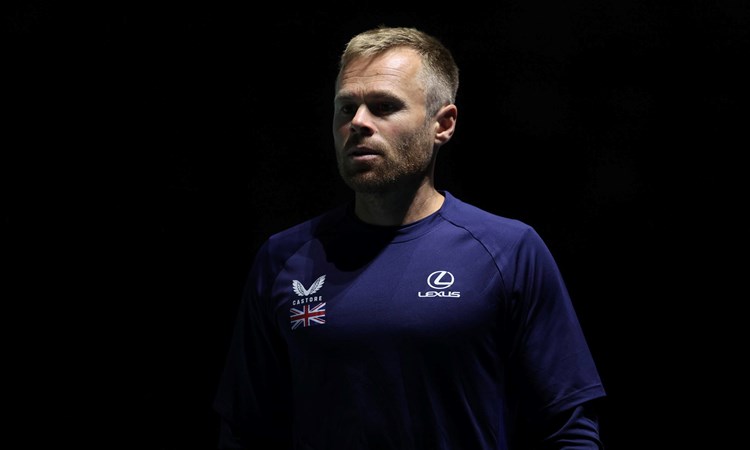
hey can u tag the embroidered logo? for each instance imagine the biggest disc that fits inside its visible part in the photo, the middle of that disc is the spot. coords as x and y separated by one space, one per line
300 290
308 315
302 313
440 280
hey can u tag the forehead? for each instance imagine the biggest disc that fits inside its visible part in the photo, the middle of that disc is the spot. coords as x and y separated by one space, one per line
393 71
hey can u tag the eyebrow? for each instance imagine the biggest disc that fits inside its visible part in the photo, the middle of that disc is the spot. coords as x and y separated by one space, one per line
374 95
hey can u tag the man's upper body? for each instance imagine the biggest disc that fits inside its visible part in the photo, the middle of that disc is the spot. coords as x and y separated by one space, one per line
452 332
406 319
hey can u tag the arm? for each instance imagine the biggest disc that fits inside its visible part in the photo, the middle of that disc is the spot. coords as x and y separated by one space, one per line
555 375
253 398
573 429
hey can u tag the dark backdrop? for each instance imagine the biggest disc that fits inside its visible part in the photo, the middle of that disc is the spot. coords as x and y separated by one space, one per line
153 146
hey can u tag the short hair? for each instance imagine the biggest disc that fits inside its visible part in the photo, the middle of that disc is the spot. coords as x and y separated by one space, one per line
439 74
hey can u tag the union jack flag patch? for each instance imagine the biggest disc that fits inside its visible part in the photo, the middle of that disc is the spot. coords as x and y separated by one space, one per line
308 315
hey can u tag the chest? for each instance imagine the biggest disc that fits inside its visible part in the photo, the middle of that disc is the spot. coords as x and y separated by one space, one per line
409 291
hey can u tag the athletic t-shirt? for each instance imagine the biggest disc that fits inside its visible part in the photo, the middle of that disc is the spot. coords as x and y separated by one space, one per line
447 333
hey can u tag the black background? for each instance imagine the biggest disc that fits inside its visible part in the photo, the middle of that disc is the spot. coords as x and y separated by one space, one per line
151 147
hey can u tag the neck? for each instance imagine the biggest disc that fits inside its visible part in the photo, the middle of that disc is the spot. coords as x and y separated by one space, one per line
395 208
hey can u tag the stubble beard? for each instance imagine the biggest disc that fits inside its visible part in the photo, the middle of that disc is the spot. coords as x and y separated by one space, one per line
404 165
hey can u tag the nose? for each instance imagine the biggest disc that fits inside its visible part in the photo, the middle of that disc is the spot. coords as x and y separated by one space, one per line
361 121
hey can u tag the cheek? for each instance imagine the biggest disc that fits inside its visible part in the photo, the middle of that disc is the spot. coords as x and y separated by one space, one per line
340 134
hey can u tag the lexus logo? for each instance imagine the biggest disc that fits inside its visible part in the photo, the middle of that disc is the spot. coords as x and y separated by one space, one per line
440 279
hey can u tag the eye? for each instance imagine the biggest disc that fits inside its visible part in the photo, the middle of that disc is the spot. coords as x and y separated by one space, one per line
384 108
347 109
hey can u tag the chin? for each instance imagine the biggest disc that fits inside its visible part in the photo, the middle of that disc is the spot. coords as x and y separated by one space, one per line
366 184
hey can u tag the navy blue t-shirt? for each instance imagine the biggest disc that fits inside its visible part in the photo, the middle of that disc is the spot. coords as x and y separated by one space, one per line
447 333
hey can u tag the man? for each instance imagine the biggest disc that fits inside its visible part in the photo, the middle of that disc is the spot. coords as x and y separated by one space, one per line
406 319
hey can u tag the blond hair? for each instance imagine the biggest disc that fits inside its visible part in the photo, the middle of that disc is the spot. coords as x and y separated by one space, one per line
439 73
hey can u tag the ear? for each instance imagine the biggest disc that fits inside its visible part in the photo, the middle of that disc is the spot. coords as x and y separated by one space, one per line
446 124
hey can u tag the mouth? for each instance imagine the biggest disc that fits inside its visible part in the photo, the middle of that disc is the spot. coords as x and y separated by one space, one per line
362 152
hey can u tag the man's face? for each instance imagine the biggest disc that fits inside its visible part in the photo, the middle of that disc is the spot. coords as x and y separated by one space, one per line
382 135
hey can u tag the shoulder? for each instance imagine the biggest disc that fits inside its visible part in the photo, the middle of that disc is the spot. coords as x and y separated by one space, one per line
493 230
279 247
289 240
